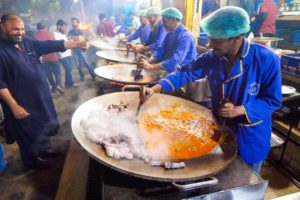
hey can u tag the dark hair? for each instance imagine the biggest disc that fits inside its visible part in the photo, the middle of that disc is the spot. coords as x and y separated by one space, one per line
7 17
40 26
61 22
76 19
101 16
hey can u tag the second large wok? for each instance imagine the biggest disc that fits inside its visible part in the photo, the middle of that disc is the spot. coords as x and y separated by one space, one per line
197 168
121 73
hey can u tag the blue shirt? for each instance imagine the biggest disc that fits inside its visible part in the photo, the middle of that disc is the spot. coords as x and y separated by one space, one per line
157 35
178 48
75 33
142 32
254 82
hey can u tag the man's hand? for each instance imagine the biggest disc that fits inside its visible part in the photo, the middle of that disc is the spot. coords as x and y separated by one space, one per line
145 64
19 112
146 92
83 45
70 44
139 48
228 110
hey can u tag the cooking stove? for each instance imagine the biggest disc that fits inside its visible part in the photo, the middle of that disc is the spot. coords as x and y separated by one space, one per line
237 181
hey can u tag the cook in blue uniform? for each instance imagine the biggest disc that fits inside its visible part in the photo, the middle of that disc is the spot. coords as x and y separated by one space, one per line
157 32
178 47
247 75
143 31
29 113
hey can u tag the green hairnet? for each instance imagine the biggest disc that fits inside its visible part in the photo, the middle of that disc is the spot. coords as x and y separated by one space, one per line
142 13
172 13
226 22
153 11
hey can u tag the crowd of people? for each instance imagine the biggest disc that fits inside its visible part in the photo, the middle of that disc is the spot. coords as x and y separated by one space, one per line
252 92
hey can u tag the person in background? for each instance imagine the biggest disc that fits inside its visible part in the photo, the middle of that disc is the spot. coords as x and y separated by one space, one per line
266 18
143 31
104 28
245 81
3 162
157 32
64 57
135 22
121 26
50 61
178 47
248 6
77 34
29 114
209 6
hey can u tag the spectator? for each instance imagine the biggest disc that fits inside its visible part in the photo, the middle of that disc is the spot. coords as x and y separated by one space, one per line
77 34
266 19
104 28
64 57
50 61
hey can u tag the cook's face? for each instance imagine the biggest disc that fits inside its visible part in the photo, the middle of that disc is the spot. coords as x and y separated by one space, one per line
75 23
152 19
14 30
143 20
221 47
168 23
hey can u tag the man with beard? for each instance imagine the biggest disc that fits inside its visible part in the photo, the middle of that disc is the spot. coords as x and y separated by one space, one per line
178 47
157 32
64 57
29 112
77 34
245 81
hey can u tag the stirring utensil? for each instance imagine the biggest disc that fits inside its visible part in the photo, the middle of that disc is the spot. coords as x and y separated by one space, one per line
140 102
224 129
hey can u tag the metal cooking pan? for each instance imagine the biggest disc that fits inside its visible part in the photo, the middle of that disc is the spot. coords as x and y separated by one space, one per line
117 56
121 73
108 44
196 168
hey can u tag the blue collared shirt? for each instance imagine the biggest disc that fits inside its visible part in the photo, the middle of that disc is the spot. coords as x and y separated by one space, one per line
157 35
142 32
254 83
178 48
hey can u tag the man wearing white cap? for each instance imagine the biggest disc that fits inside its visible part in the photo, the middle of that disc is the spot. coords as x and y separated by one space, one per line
178 47
245 81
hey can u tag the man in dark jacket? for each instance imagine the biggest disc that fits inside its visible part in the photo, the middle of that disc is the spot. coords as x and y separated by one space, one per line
30 116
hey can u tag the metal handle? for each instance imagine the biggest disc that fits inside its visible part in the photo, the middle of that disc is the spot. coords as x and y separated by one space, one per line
125 87
192 186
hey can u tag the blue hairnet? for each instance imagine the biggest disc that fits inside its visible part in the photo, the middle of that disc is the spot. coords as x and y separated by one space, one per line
172 13
153 11
226 22
142 13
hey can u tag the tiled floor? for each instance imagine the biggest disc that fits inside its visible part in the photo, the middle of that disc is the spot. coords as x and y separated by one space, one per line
16 183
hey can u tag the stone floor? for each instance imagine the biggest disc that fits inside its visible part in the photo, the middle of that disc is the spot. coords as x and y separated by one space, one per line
18 184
